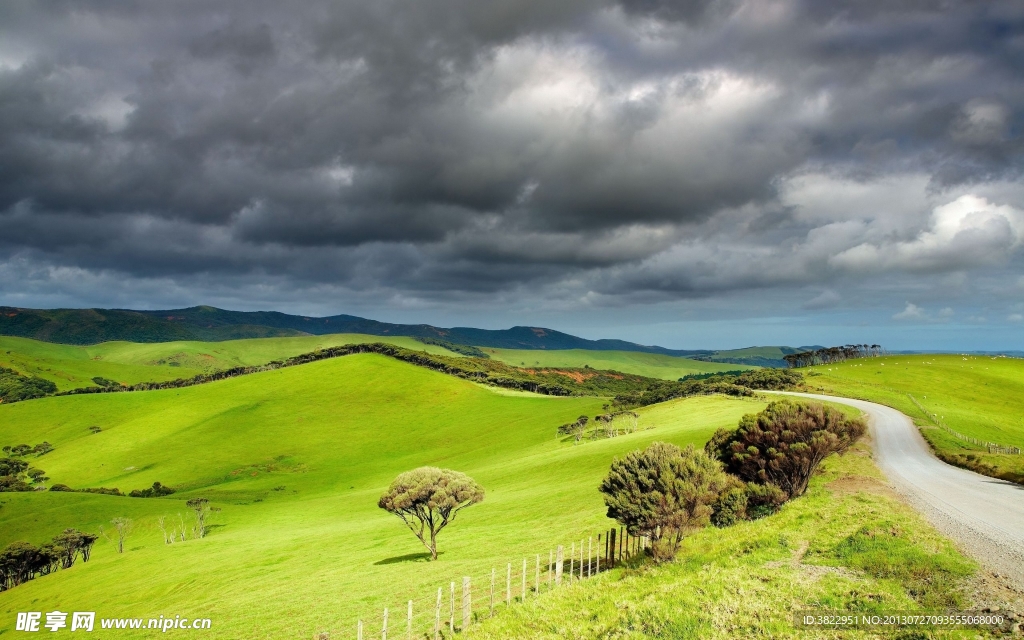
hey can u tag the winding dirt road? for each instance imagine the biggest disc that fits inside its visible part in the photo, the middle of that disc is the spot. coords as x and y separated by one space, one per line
985 515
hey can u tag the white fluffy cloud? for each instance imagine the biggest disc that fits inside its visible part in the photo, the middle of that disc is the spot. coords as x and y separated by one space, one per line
967 232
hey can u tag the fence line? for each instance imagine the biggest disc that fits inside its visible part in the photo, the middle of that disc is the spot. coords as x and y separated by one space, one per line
992 447
589 561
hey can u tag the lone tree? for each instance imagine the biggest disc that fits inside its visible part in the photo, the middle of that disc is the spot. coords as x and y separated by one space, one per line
785 443
201 508
428 499
122 529
663 492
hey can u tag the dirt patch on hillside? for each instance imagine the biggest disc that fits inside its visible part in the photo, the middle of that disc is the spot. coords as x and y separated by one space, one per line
858 484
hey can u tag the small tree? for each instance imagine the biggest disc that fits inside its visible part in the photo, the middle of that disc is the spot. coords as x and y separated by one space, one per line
201 508
785 443
575 429
428 499
122 529
663 492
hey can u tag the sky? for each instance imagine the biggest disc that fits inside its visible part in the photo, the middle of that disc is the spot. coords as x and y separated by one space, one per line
694 174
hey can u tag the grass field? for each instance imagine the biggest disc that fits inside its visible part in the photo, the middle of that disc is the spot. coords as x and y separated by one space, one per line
978 396
296 459
652 365
71 366
847 545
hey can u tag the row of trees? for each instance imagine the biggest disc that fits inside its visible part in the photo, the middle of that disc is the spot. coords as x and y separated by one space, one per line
25 450
18 475
727 383
21 561
665 493
832 355
607 425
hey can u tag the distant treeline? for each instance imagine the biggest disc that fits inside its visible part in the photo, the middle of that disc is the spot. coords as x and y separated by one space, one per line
15 387
629 390
464 349
711 374
743 384
832 355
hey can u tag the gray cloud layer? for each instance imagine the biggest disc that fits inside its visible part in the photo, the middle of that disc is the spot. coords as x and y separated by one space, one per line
582 153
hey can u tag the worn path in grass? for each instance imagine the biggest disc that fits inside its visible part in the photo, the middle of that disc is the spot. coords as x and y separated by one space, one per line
984 514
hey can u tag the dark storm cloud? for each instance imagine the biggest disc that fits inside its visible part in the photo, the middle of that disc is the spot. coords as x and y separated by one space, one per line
514 148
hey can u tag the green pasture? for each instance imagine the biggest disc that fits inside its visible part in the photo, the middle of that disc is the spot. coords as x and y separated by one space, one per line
977 396
295 460
652 365
72 366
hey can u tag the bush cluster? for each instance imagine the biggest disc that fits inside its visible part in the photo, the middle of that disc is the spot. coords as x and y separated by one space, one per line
785 443
156 491
664 492
15 387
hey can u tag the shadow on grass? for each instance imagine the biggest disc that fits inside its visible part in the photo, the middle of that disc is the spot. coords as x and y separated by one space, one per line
409 557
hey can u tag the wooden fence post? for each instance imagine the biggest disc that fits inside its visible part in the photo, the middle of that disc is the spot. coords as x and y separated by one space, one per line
437 616
508 586
559 559
620 543
408 622
467 603
359 630
451 610
597 565
523 595
492 592
611 548
384 627
581 559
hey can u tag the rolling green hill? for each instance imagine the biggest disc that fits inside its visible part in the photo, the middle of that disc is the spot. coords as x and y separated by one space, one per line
203 323
294 460
328 436
978 396
73 366
652 365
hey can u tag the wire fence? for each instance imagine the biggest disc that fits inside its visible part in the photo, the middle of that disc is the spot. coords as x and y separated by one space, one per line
992 447
459 604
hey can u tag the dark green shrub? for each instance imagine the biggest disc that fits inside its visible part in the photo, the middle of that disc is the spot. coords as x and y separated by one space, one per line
156 491
763 500
785 443
746 501
663 492
730 508
101 490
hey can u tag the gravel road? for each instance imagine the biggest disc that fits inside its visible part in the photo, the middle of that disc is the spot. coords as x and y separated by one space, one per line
985 515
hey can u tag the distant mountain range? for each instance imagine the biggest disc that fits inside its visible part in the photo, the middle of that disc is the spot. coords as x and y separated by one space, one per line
91 326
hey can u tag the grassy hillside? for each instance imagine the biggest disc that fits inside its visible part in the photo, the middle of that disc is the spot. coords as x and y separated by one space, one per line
978 396
652 365
72 366
847 545
296 459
